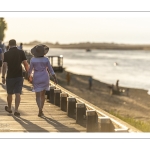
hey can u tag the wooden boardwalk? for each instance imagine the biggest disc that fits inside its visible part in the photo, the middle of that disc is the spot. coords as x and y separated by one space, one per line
54 119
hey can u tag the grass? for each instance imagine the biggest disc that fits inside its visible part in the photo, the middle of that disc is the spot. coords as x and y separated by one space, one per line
141 125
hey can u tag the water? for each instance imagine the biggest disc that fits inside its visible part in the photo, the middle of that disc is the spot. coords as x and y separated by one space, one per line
133 69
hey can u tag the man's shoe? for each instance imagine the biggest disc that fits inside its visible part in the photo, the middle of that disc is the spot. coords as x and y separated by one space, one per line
16 113
6 108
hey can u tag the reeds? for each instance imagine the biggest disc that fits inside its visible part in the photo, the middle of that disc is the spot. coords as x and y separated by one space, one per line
141 125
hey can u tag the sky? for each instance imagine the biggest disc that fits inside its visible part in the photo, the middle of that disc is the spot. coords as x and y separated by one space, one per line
74 27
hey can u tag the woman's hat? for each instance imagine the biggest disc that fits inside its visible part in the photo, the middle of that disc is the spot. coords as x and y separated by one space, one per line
39 50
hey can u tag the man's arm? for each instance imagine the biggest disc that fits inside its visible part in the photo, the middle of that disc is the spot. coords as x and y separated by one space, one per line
26 66
4 67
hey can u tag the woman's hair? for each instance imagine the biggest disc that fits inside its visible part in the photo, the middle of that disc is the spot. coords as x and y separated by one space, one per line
39 56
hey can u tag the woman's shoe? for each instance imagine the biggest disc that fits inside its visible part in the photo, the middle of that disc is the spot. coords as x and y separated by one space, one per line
16 113
40 113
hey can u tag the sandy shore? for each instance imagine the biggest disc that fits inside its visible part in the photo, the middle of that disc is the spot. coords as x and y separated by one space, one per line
135 104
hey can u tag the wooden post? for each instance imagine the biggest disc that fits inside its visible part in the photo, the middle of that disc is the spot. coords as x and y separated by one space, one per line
71 106
63 101
57 97
51 94
80 113
47 94
104 124
91 121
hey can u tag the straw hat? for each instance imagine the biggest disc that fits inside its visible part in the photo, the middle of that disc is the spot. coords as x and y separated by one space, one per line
39 50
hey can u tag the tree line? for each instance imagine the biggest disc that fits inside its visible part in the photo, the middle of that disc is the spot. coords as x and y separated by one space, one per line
3 27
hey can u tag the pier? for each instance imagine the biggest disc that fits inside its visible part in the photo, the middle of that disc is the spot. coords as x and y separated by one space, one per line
54 120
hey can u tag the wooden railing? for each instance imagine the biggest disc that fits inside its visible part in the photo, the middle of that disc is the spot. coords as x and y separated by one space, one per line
85 113
56 61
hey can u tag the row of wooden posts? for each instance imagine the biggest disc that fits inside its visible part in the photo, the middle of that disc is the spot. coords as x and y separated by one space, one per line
79 111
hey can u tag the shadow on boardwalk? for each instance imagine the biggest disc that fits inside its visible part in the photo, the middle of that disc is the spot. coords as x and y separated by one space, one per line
3 103
27 88
31 127
60 127
3 86
28 125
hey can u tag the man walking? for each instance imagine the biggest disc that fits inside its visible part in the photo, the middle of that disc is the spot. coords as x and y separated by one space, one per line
2 46
90 83
13 59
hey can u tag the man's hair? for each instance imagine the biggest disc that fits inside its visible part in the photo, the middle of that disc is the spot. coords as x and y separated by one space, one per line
12 42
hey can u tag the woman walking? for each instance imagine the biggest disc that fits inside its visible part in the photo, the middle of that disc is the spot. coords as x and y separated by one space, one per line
40 67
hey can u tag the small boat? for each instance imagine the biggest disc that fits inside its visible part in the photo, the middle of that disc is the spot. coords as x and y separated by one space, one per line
88 50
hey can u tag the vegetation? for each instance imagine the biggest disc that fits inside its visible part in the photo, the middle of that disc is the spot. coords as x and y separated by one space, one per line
3 27
142 126
89 45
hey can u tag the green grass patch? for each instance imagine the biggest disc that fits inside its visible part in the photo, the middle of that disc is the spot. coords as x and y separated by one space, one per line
141 125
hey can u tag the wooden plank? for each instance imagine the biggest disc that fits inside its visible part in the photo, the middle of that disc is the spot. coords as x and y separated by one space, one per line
54 120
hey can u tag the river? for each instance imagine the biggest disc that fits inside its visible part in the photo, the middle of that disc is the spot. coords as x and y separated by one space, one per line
130 67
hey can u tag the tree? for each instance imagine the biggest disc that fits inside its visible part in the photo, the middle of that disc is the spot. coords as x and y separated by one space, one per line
3 27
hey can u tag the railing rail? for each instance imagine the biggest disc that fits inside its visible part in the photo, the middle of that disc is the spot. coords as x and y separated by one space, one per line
119 127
